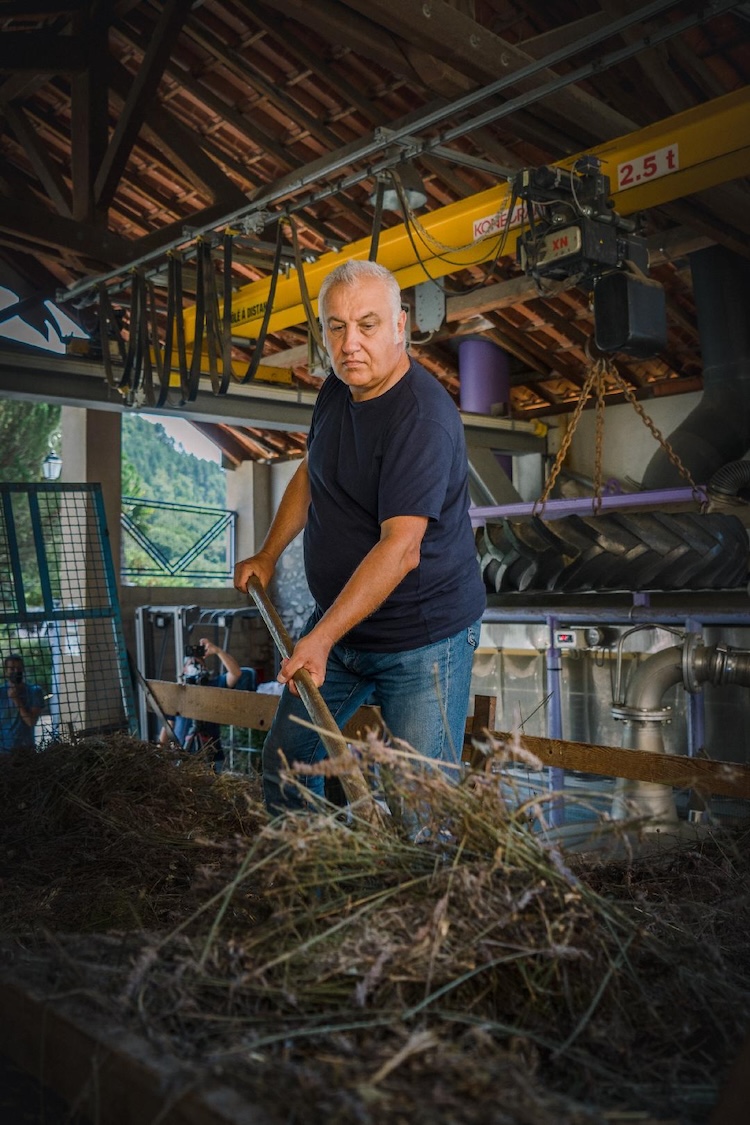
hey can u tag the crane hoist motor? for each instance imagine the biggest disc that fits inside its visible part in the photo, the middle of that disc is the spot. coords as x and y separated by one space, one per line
574 231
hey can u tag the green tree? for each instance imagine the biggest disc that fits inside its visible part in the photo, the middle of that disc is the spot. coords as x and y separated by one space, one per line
132 481
27 431
156 468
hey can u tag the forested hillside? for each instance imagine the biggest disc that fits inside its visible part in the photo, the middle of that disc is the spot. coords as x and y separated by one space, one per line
163 546
152 461
27 432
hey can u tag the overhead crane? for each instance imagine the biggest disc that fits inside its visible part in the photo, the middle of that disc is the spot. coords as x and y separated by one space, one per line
689 152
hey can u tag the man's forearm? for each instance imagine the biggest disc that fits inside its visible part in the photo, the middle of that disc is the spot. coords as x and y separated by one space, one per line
231 666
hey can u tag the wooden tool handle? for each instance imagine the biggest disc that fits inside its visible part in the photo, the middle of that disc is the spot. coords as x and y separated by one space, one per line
353 781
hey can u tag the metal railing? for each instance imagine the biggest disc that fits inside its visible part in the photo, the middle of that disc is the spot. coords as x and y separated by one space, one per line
198 544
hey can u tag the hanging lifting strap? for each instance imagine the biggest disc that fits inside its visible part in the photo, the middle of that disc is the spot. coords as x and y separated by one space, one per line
174 318
226 318
259 343
131 376
147 372
109 326
313 324
161 363
194 372
377 220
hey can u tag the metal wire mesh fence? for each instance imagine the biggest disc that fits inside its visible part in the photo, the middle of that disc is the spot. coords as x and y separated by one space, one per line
59 612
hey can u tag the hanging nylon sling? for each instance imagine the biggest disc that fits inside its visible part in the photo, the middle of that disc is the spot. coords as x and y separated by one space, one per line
259 343
110 327
194 371
377 221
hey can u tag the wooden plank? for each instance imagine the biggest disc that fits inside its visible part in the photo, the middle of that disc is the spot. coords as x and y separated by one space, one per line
255 712
732 1107
727 779
248 709
107 1073
42 51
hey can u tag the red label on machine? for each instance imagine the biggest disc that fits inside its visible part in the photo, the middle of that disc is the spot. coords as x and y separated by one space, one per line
650 166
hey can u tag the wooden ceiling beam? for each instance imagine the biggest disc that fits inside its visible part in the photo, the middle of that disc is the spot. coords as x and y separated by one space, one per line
300 51
29 9
27 276
548 41
654 65
181 148
241 68
337 23
250 131
473 48
42 52
138 102
226 438
89 121
38 225
48 172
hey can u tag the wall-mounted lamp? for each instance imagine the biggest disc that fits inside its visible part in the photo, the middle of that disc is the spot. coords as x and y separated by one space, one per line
52 466
411 182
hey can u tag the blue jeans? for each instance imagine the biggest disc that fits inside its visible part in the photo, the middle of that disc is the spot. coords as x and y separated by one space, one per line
423 694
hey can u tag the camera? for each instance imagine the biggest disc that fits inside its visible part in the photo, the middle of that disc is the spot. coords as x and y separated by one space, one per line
194 673
196 651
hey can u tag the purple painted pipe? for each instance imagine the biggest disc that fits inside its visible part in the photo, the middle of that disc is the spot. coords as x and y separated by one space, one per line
584 505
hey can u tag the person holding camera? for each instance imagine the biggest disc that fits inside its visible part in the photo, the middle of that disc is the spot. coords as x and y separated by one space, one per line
21 704
195 735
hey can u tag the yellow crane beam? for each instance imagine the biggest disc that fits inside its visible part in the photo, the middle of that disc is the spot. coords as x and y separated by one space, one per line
689 152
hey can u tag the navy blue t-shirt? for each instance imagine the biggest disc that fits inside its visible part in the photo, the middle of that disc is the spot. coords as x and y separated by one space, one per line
402 453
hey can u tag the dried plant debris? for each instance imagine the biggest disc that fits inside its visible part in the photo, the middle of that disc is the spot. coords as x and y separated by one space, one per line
336 971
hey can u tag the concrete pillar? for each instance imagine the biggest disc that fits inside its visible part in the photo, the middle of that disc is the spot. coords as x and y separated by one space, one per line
249 495
88 687
92 454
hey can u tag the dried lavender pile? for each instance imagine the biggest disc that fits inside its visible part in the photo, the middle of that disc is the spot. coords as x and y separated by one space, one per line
335 971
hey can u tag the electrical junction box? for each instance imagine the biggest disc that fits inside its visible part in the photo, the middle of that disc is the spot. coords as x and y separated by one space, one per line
429 306
566 638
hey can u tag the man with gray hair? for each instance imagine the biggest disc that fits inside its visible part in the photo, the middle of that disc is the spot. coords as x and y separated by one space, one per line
383 499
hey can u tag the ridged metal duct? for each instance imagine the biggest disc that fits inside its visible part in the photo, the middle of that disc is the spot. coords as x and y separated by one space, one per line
730 480
718 429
